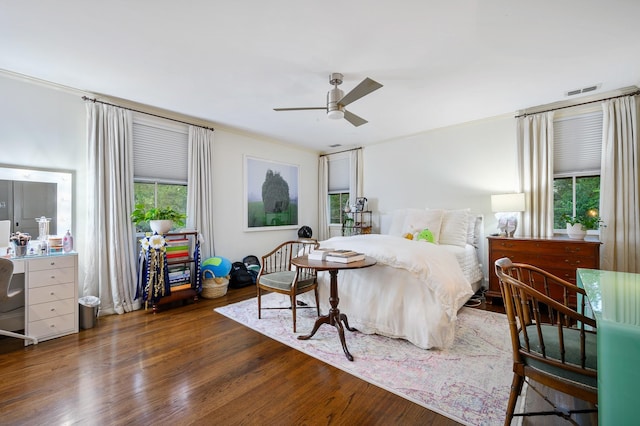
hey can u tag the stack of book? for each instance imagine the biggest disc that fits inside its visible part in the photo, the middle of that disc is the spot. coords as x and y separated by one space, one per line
343 256
319 254
177 249
179 275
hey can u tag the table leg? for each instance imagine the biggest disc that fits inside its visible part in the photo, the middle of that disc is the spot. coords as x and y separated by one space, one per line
334 317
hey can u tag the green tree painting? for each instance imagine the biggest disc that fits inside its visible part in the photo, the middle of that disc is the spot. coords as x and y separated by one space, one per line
275 193
272 193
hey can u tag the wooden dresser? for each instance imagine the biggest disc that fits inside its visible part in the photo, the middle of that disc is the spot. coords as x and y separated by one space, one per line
559 256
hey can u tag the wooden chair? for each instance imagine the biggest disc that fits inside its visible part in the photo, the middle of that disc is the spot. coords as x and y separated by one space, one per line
553 343
278 275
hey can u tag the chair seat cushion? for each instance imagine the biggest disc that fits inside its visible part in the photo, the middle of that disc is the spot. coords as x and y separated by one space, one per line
572 351
283 280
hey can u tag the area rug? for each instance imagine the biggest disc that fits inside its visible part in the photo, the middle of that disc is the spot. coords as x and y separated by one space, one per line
468 383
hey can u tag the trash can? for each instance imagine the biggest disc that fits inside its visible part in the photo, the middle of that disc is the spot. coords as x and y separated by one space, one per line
88 311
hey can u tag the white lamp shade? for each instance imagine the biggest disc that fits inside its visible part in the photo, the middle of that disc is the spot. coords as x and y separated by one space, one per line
503 203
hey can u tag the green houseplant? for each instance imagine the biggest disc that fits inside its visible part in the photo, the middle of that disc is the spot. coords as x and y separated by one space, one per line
160 219
577 226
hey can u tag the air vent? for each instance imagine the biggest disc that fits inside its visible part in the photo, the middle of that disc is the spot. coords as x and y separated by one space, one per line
583 90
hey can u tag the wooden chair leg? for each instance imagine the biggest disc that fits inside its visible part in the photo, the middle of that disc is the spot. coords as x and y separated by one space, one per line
293 311
516 388
259 303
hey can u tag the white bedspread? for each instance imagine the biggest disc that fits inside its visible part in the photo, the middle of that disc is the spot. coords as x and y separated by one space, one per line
413 292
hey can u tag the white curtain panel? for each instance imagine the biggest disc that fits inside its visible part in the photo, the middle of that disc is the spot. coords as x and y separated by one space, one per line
323 190
535 173
110 256
356 174
620 186
200 187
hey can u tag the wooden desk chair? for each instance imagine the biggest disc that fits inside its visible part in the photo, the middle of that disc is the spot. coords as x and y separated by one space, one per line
553 343
279 276
11 304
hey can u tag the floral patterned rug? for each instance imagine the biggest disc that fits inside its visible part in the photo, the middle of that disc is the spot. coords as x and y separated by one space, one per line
468 383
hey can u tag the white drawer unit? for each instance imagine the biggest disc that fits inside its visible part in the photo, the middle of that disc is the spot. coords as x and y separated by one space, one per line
51 299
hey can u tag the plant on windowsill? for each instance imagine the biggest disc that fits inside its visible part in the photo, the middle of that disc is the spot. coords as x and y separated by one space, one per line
577 226
161 219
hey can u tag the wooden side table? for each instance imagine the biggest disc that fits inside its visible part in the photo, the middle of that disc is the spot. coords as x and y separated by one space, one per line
334 317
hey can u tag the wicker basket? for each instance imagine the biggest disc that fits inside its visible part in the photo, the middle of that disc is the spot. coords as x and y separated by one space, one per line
210 288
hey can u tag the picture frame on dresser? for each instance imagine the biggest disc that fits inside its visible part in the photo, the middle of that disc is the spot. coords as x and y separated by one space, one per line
560 256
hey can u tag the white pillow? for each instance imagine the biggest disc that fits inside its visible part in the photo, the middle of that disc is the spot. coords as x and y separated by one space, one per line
417 219
397 222
473 232
455 226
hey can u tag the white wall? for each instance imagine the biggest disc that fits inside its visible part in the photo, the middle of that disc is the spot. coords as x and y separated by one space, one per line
454 167
231 241
44 127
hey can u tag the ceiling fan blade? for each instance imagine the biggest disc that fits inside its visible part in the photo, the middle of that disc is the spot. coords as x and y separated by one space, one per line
365 87
299 109
354 119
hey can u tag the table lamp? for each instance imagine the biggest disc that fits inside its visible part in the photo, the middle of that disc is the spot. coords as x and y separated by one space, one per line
506 207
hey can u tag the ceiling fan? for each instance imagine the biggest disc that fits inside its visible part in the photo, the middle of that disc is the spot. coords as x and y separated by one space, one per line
337 100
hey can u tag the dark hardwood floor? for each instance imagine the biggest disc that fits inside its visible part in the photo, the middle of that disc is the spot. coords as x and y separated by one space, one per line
186 365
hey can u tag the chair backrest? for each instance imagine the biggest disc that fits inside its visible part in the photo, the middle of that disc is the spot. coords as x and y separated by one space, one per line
279 259
543 329
6 272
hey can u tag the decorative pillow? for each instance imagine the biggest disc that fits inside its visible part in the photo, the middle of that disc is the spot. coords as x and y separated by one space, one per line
397 222
473 231
418 219
425 235
455 225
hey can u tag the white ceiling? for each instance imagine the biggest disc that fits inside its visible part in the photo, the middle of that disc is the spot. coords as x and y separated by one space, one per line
231 62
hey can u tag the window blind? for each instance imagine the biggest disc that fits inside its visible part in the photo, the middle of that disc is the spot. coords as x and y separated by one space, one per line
160 150
577 143
339 175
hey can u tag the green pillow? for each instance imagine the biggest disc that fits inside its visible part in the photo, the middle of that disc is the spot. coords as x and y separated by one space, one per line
425 235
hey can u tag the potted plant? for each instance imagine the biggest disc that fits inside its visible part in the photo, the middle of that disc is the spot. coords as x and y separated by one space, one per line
577 226
161 219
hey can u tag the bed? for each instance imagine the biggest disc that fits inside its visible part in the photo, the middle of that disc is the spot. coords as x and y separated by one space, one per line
416 288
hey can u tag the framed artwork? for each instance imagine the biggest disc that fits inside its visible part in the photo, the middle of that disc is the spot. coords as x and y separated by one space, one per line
271 195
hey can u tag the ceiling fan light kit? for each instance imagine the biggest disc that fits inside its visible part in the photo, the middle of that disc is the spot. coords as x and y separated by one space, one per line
337 100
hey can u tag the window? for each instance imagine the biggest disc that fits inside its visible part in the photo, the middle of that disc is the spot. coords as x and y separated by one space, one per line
160 163
576 156
338 188
575 196
337 202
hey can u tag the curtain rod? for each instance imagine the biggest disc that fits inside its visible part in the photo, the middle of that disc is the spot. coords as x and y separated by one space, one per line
637 92
84 98
340 152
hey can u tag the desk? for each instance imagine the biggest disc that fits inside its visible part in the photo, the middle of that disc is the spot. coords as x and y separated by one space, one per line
614 299
334 317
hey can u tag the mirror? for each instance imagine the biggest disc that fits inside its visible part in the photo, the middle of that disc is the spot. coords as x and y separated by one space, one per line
59 183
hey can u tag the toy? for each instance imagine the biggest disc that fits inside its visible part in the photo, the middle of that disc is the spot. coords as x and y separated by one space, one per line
425 235
219 266
408 236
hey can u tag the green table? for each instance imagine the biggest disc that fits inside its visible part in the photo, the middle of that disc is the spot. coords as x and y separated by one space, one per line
614 299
